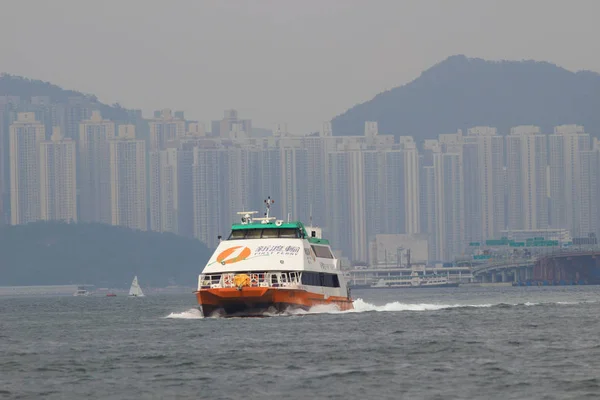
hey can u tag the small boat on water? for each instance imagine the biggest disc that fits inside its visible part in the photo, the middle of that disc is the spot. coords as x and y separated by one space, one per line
111 295
81 291
268 265
135 290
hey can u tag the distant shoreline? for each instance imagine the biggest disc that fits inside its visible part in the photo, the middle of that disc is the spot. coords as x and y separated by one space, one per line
70 289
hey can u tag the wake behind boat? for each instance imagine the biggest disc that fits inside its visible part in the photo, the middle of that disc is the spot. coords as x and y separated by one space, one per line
267 265
135 290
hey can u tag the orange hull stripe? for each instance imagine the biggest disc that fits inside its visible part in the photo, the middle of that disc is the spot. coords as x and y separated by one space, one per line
302 298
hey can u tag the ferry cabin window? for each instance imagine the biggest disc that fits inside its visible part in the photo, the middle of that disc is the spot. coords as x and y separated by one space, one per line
322 251
270 233
267 233
237 235
336 281
253 233
320 279
288 233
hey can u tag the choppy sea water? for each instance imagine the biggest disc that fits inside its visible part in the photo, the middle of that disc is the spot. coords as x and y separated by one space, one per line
455 343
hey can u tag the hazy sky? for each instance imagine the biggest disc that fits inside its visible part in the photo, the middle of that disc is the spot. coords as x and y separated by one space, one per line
300 62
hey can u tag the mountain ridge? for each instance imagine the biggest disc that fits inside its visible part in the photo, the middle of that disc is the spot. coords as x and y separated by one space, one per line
461 92
25 88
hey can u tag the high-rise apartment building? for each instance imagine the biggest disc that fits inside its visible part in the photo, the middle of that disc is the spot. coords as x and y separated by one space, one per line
358 207
165 127
483 173
589 194
449 206
185 193
316 147
390 193
367 184
228 178
346 203
411 190
26 134
48 113
209 204
195 138
231 124
94 169
374 178
8 105
76 109
58 182
237 185
472 183
427 208
338 202
445 156
565 146
371 129
127 157
294 182
527 154
267 175
280 130
164 190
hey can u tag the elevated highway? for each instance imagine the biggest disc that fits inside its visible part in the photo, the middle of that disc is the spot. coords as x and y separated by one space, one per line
581 266
508 270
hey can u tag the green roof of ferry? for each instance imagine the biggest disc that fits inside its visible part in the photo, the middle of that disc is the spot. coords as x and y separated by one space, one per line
291 224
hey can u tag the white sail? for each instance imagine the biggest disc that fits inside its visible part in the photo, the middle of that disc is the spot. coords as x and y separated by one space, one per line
135 290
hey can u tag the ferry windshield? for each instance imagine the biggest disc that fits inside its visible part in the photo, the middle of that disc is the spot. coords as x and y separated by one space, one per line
266 233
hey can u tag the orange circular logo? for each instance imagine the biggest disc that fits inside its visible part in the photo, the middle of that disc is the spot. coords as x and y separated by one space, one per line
222 257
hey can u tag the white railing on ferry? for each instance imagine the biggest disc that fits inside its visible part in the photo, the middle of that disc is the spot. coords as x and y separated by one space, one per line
255 279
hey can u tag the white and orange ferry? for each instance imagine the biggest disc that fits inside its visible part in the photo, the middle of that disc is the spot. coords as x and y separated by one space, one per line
268 265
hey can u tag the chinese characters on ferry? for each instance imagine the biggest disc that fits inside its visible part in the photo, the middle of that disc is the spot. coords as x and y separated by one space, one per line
277 250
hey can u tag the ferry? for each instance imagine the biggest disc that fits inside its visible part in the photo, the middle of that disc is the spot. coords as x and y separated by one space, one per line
268 265
414 281
81 291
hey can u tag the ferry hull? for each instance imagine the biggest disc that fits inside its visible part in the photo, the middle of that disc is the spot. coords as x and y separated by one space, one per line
256 301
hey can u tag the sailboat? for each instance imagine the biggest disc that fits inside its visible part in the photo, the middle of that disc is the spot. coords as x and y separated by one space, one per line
135 290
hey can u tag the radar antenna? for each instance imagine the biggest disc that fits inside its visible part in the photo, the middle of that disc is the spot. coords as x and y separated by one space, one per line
268 202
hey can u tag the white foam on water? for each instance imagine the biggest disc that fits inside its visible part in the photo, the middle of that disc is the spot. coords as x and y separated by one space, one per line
361 306
192 313
319 309
325 309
